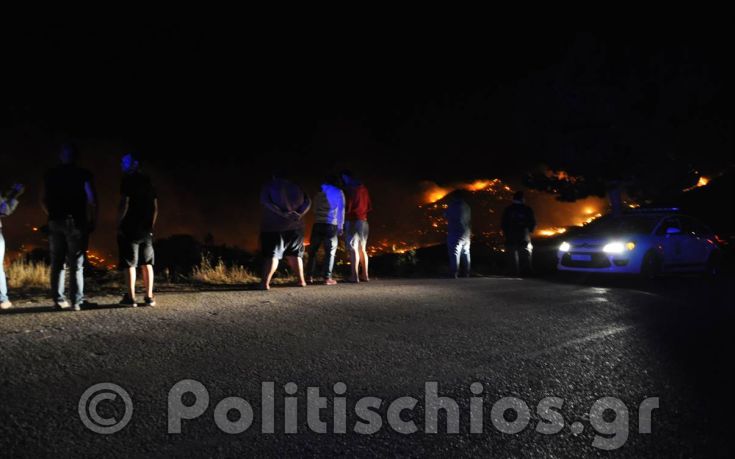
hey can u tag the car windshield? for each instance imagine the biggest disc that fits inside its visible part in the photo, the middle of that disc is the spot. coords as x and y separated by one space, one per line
626 224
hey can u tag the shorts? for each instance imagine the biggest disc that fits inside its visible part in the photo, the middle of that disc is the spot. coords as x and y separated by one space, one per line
135 251
279 244
356 233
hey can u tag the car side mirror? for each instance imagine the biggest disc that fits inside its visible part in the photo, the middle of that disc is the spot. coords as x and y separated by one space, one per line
671 231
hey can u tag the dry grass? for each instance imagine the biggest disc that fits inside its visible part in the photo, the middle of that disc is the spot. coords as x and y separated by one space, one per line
221 274
26 274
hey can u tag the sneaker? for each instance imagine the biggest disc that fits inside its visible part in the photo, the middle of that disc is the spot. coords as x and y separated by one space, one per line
63 304
127 300
76 307
150 301
6 305
330 282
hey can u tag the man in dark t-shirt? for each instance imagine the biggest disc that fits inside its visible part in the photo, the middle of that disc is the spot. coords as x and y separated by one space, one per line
70 201
138 212
518 224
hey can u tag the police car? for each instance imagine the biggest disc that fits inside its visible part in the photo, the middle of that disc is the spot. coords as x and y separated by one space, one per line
643 241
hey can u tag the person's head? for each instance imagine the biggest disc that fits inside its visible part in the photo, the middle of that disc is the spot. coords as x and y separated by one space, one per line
518 197
68 153
130 163
331 180
348 178
457 195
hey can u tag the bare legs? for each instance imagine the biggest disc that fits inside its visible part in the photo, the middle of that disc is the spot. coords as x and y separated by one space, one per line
271 265
148 280
359 263
297 267
130 278
269 268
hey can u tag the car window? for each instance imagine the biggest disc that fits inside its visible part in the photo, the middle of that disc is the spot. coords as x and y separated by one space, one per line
671 222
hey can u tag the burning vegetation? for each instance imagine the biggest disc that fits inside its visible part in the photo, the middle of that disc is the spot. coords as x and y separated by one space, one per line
487 198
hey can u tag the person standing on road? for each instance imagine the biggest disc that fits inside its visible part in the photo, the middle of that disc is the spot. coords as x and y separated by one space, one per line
8 204
357 207
459 233
329 209
70 201
282 227
138 214
518 223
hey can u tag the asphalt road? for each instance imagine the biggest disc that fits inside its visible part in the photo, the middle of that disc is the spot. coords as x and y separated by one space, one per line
529 339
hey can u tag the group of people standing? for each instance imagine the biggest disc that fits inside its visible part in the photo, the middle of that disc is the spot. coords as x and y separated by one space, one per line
69 199
517 224
341 209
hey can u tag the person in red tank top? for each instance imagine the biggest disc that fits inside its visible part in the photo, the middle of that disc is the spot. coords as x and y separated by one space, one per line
357 207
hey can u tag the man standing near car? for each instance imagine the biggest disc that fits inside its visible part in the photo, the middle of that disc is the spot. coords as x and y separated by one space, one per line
138 213
70 201
518 224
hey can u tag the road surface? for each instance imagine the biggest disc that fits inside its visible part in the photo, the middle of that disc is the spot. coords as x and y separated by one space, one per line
589 343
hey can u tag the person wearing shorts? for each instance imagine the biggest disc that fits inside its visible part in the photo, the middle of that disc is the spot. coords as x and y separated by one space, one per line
282 227
357 229
138 213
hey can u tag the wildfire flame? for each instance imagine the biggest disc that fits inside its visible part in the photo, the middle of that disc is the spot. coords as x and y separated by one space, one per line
562 176
98 260
703 181
547 232
435 192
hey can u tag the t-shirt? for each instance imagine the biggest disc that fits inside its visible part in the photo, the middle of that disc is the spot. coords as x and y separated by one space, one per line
518 223
459 216
285 196
329 206
358 202
141 195
65 193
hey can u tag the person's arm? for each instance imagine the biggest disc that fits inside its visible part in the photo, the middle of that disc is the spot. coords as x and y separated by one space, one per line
532 221
369 201
341 212
348 203
42 197
304 207
265 201
9 203
122 209
7 206
92 209
155 211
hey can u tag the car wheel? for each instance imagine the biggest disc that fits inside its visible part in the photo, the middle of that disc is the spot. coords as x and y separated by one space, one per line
651 265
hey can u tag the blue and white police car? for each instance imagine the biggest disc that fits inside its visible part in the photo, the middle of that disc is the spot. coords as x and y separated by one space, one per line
642 241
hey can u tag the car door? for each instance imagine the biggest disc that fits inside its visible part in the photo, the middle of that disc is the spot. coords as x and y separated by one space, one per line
672 241
696 246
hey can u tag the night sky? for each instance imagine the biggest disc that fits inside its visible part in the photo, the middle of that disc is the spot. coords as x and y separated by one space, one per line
214 109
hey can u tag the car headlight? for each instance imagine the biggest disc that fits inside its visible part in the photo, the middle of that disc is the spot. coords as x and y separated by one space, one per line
564 247
618 247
